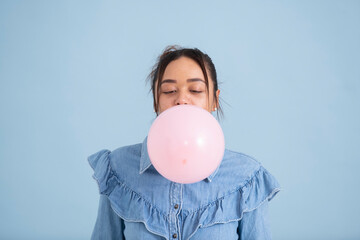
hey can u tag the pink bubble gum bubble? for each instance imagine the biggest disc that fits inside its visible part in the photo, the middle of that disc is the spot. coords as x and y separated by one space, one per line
185 144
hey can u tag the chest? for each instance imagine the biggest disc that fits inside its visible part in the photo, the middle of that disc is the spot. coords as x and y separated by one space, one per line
176 211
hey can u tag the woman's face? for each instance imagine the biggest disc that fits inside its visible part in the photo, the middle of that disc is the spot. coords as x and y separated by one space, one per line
183 82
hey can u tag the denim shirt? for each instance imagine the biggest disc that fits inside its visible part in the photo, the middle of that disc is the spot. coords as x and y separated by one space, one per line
136 202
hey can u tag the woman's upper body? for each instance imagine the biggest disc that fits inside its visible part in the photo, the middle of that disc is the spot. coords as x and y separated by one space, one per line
138 203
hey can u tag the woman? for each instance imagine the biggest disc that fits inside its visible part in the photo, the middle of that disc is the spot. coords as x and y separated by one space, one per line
138 203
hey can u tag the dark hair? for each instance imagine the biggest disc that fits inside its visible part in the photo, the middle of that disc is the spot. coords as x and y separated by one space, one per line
174 52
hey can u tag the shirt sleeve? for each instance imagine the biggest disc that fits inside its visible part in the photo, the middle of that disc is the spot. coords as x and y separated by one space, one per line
254 225
108 224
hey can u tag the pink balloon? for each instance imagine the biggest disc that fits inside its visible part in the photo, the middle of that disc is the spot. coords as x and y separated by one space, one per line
185 144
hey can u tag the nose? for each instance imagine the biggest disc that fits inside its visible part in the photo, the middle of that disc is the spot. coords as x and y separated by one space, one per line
182 99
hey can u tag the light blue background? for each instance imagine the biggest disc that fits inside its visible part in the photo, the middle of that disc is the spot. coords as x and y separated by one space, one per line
72 82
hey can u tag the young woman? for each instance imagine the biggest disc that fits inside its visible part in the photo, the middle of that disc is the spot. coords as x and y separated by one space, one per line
136 202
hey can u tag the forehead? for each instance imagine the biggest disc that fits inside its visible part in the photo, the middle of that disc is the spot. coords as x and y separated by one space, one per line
183 67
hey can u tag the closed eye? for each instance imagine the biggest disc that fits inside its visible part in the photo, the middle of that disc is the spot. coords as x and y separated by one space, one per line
194 91
169 92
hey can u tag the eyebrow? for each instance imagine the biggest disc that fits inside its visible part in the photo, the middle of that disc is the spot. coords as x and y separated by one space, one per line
189 80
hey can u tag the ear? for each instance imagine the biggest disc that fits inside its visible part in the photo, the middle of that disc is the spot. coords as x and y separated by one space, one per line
217 97
155 110
216 101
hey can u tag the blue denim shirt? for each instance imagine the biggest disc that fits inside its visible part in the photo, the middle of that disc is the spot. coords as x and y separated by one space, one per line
136 202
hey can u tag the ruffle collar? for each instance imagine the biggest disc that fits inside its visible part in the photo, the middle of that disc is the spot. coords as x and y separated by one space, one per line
131 206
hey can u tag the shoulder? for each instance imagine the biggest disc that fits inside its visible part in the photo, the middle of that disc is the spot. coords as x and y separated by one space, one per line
246 176
118 157
241 160
120 162
238 168
241 172
122 155
253 179
126 151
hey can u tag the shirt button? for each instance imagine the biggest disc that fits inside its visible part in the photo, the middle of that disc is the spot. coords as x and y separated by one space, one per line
176 206
174 235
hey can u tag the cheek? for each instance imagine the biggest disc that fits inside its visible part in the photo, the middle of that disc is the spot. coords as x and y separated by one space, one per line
200 102
162 99
164 102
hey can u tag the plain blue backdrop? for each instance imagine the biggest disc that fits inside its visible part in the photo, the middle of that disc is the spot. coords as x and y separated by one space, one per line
72 82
